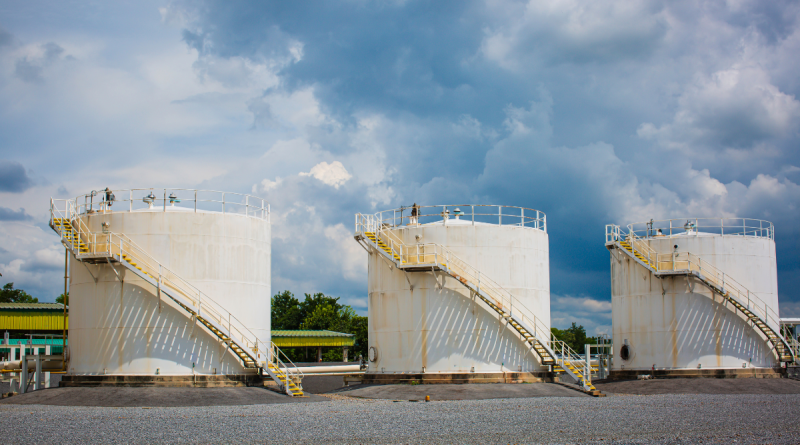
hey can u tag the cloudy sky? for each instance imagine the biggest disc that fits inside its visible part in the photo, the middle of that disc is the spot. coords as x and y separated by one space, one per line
594 112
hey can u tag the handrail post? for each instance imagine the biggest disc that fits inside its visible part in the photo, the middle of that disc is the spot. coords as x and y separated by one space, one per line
473 215
165 200
223 202
499 216
130 200
195 201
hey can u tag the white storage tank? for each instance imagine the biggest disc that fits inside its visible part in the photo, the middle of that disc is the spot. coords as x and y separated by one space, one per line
674 322
425 323
218 242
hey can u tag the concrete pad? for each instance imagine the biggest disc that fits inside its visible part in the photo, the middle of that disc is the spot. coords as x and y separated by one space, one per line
459 392
320 384
700 386
155 397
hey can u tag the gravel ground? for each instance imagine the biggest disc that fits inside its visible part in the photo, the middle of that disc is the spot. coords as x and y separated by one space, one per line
617 419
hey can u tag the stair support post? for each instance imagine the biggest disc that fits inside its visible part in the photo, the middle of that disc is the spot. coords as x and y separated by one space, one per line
587 375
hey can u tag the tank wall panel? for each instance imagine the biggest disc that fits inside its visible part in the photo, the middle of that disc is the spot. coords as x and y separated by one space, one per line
444 330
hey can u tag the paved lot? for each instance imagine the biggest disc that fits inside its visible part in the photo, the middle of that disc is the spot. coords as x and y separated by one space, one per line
702 386
459 392
152 397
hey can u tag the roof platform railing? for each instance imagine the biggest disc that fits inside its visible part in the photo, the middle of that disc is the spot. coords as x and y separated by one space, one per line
165 200
464 214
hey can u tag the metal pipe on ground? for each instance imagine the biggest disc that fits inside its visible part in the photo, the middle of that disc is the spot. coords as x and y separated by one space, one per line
349 369
49 363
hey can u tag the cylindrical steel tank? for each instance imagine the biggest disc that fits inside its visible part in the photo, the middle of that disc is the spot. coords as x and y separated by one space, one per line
218 242
677 322
427 322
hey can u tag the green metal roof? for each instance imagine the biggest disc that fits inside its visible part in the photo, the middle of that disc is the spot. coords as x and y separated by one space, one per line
33 306
310 334
35 341
312 338
56 347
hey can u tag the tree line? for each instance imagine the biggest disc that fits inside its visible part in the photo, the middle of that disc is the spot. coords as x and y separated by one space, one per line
10 295
575 337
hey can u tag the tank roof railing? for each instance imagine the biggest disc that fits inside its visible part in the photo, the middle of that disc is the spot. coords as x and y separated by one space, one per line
703 226
473 213
164 199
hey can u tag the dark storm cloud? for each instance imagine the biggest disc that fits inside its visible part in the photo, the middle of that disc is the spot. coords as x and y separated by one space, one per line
13 177
591 112
7 214
6 38
594 112
30 69
378 55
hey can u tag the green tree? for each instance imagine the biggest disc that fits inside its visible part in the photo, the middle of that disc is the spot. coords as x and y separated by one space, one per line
285 312
359 327
311 302
574 336
61 299
327 316
324 317
10 295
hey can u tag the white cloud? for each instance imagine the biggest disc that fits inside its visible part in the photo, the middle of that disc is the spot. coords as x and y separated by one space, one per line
346 253
31 258
266 185
570 30
594 315
737 108
333 174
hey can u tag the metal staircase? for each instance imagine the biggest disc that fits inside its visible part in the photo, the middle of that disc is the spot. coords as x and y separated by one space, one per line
757 312
432 257
113 248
